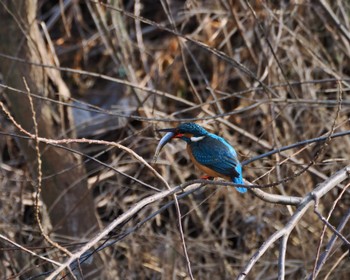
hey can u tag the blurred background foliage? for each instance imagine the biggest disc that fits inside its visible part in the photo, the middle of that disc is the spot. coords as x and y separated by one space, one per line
262 74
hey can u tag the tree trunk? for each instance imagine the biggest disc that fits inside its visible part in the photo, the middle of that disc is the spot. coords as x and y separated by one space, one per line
64 187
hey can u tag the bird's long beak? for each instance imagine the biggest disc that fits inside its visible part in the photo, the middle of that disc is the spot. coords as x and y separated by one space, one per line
165 139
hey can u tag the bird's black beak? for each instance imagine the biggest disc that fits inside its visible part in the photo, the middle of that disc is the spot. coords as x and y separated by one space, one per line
171 133
167 130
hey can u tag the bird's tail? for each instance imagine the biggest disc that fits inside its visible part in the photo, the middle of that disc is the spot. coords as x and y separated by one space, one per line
239 179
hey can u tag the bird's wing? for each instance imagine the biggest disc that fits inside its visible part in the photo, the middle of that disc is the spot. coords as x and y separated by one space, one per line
216 154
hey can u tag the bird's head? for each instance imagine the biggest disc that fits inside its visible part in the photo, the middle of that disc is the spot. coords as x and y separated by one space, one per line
188 132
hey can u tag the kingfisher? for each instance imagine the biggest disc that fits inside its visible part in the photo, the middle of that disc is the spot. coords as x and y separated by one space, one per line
211 153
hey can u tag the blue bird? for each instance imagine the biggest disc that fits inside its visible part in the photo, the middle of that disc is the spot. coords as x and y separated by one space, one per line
212 154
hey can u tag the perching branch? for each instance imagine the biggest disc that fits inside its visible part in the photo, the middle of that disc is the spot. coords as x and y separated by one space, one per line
132 211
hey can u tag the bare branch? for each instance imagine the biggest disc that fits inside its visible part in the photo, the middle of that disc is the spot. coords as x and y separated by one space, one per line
306 203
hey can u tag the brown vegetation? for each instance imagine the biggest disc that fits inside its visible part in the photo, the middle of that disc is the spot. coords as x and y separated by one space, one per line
262 75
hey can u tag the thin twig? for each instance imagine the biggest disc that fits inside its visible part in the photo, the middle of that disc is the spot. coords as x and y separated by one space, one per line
39 178
330 245
29 251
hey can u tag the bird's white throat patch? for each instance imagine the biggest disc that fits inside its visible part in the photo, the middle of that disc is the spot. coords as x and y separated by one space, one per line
196 139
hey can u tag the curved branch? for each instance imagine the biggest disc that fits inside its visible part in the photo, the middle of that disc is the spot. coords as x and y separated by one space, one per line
132 211
306 203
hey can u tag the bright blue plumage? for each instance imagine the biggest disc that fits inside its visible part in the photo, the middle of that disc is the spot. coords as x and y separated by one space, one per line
211 153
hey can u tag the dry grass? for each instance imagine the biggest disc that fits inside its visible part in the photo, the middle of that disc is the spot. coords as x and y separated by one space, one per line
262 76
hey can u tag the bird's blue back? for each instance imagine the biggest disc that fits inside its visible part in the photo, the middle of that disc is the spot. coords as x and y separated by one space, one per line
217 154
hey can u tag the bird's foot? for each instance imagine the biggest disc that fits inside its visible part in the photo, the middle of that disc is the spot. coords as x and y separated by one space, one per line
207 177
